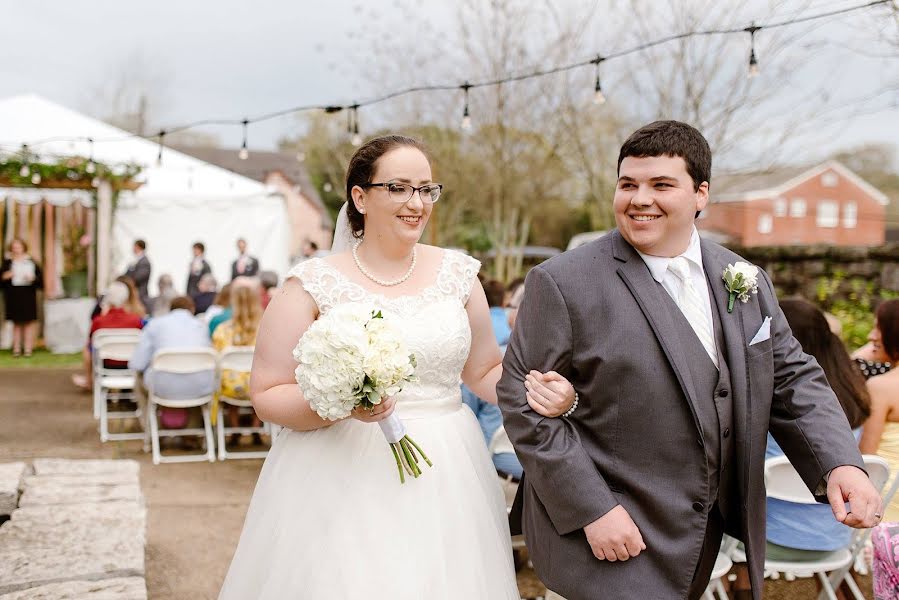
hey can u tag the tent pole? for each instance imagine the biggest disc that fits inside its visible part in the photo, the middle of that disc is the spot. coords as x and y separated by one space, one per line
103 241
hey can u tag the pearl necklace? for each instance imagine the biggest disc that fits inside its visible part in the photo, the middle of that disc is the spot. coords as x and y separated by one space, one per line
381 282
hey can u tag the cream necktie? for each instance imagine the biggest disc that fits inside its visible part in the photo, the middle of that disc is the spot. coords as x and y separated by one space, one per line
691 305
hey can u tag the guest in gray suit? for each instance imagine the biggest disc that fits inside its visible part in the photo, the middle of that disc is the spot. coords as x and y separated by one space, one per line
139 271
628 497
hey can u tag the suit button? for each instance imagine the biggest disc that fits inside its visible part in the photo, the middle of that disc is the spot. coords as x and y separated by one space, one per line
698 507
722 393
726 433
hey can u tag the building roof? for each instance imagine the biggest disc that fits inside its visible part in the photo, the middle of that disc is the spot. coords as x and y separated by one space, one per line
258 166
741 187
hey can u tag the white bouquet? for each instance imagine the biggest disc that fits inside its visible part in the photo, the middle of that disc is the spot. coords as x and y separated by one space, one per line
354 357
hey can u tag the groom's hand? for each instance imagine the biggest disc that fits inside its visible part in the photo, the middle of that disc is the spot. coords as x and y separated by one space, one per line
850 484
614 536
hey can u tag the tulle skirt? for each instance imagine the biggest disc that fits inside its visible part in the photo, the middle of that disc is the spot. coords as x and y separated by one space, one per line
329 519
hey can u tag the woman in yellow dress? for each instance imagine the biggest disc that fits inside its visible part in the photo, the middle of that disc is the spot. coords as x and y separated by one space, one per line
881 431
239 330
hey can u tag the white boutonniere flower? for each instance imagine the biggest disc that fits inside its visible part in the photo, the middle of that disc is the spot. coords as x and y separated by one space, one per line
740 280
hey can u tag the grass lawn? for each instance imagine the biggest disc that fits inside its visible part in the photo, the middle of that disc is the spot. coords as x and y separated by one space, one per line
41 359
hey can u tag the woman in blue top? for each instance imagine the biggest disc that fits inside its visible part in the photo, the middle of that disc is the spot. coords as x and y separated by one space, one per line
809 531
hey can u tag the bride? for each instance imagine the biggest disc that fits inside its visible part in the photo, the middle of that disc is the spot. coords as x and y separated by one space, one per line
329 519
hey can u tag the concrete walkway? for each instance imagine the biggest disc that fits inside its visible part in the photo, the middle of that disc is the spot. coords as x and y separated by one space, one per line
194 511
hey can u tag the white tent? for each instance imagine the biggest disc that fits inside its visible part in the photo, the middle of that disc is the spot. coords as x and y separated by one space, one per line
183 200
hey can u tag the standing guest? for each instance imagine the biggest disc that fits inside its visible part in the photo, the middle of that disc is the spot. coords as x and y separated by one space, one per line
245 265
239 330
269 282
113 314
496 295
177 329
198 268
881 433
162 303
205 294
20 279
139 271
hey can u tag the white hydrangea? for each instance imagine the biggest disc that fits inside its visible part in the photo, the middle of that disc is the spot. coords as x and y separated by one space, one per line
352 356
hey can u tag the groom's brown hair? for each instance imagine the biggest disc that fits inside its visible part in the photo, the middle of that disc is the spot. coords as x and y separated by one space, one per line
672 138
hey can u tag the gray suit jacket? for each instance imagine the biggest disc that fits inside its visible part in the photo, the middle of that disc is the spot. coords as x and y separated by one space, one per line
593 315
140 274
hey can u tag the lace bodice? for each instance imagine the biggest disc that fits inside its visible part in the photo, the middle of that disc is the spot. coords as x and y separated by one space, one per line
434 323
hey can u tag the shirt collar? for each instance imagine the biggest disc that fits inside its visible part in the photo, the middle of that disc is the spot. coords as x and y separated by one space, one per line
658 265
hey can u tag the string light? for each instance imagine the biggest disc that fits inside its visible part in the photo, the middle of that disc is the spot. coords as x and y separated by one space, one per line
90 167
24 171
244 154
466 116
301 156
598 96
753 63
356 140
161 139
36 178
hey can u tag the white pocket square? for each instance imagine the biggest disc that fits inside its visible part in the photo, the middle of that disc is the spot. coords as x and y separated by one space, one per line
763 333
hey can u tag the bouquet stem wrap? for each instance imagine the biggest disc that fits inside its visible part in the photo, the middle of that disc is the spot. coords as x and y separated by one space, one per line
404 448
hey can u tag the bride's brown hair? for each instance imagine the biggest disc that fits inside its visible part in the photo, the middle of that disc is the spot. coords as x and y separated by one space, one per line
362 168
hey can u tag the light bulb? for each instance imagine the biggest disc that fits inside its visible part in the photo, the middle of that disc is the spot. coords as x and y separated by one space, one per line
466 121
91 167
753 65
36 178
24 171
301 156
95 182
327 187
244 154
599 97
356 140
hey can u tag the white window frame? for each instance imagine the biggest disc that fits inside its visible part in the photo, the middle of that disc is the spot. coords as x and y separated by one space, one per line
797 208
765 224
780 206
830 218
850 215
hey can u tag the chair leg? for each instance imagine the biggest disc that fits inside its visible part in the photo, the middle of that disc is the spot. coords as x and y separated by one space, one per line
210 439
154 431
104 417
707 595
826 589
220 430
853 587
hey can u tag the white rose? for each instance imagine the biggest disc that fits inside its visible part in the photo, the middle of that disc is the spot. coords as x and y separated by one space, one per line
749 272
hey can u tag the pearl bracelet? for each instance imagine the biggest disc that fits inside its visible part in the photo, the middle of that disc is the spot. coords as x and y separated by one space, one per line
571 410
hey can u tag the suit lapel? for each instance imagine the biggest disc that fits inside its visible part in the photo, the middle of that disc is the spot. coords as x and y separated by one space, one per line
636 276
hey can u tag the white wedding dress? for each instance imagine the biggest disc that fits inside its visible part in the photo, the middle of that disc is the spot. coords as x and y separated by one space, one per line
329 519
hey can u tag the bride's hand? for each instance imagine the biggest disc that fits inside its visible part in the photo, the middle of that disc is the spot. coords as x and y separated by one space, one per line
549 394
378 413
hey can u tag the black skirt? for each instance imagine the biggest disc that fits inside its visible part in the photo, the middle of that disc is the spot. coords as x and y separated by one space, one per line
21 303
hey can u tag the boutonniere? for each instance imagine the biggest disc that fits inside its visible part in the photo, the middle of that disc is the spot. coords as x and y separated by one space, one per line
740 280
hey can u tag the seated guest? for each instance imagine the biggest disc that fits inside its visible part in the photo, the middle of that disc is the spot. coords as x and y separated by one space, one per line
113 315
132 305
177 329
219 305
239 282
489 417
803 531
239 330
871 358
881 434
161 304
269 282
206 293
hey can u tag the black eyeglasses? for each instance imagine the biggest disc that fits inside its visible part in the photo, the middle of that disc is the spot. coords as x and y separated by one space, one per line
402 192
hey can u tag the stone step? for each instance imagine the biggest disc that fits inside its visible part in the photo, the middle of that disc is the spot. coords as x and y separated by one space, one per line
66 515
65 494
11 475
81 479
61 466
120 588
21 568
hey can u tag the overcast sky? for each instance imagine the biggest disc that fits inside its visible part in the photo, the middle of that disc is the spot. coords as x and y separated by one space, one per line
225 59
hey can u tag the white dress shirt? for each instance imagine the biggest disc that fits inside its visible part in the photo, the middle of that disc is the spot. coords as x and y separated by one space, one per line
658 267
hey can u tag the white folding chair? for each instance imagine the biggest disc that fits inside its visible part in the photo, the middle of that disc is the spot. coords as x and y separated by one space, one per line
239 359
723 565
100 337
879 472
115 385
782 482
182 361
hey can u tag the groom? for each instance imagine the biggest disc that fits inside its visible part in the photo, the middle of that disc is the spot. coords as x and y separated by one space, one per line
628 497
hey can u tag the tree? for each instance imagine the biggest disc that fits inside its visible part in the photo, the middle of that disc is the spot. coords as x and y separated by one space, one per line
132 94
